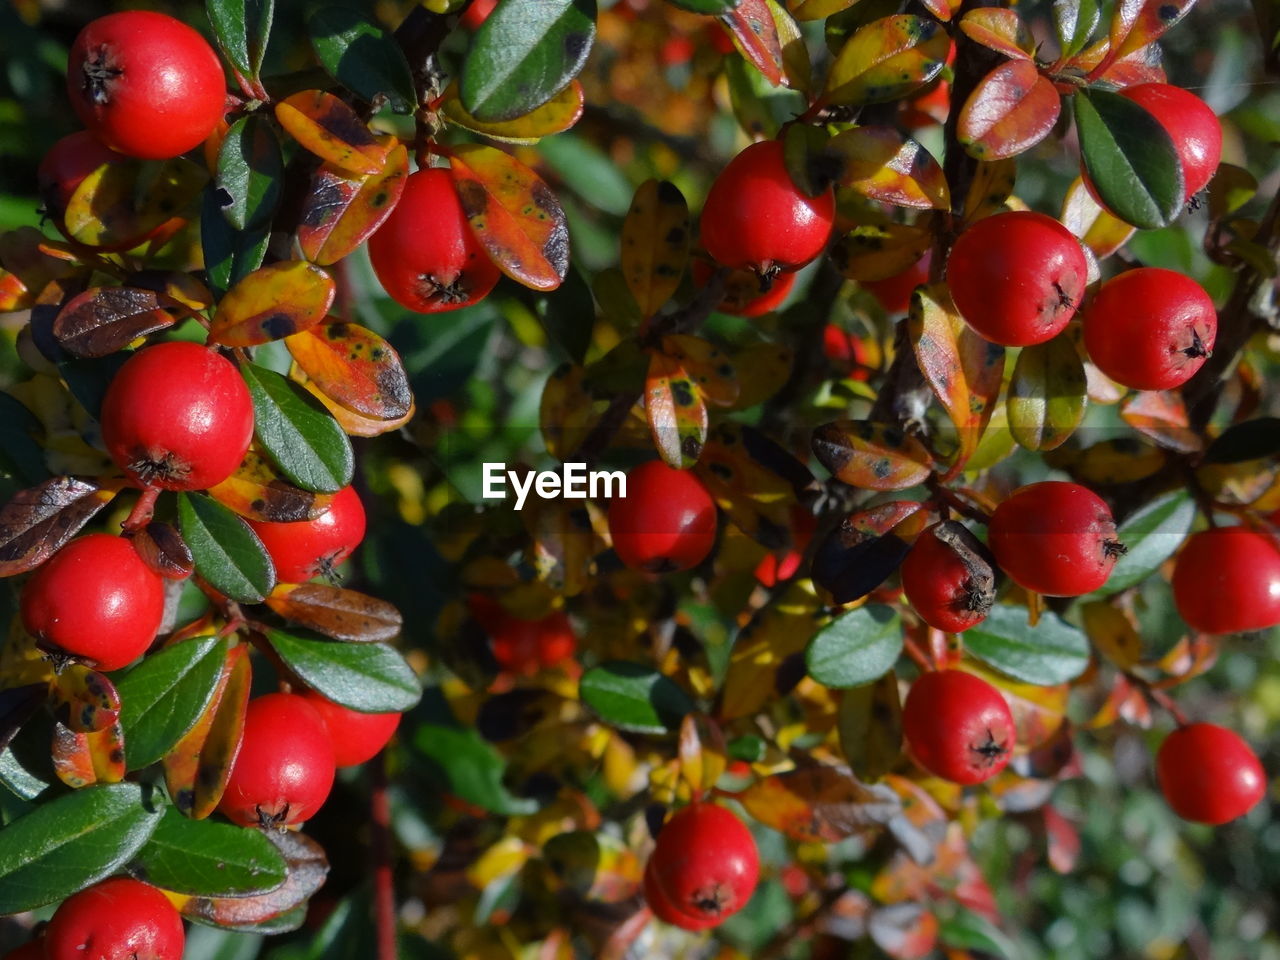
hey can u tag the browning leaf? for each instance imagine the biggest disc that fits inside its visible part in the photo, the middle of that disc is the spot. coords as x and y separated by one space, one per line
336 612
103 320
164 551
307 866
39 520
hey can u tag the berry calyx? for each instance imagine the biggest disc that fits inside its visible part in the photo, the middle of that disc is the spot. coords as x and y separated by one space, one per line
117 919
704 864
948 579
523 646
355 736
756 218
745 293
425 255
1191 125
285 767
1227 579
305 549
177 416
1055 538
1208 774
95 600
665 910
145 84
1017 278
1150 328
666 522
958 726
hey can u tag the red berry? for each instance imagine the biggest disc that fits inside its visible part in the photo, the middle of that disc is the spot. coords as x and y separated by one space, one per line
284 770
1017 278
666 522
665 910
1150 329
1191 125
477 13
96 600
742 293
894 293
177 416
145 84
1055 538
952 589
1208 774
117 919
756 218
519 645
355 736
425 255
310 548
846 351
1227 579
705 863
958 726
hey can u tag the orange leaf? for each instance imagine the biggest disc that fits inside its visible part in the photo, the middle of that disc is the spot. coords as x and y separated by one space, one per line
555 116
340 212
755 35
886 60
119 204
514 215
881 163
257 492
272 303
880 251
355 367
83 699
352 423
1138 23
676 412
331 130
655 244
818 804
871 456
1011 110
1162 416
1000 29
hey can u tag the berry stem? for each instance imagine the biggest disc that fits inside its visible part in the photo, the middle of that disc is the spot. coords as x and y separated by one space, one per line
143 510
918 656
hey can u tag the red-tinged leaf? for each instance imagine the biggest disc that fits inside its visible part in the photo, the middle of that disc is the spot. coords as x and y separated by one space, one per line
964 370
1138 23
905 931
352 423
755 35
1142 65
332 130
514 215
676 412
1012 109
819 804
13 295
865 549
1161 415
257 492
355 367
1063 840
1189 657
119 204
196 769
655 244
272 303
83 699
944 10
1099 229
337 613
871 456
103 320
341 212
83 759
886 60
555 116
1002 30
38 521
162 548
709 367
883 164
880 251
307 866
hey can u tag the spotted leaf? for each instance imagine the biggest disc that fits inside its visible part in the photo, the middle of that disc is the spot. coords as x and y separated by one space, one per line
83 759
991 188
886 60
333 131
655 244
1001 30
1161 415
566 413
878 252
272 303
341 212
1138 23
335 612
707 365
84 700
819 804
307 868
755 34
871 456
882 164
355 367
676 411
555 116
256 491
36 522
120 203
103 320
1011 109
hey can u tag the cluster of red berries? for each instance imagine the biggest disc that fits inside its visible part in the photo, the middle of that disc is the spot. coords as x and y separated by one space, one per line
703 869
522 646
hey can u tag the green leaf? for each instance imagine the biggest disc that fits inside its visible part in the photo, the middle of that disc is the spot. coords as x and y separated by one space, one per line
229 255
242 28
1047 394
76 840
228 554
470 768
632 696
1051 652
569 315
1150 535
1130 159
205 858
21 455
369 677
966 930
250 177
297 432
163 696
856 647
1074 22
362 56
524 54
712 8
1250 440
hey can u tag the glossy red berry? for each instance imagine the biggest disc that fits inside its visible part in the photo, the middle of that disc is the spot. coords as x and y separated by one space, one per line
1017 278
477 13
95 600
177 416
519 645
1208 774
958 726
743 296
705 863
425 255
950 586
311 548
285 767
355 736
1191 125
117 919
756 218
1150 328
666 522
1055 538
665 910
145 84
1227 579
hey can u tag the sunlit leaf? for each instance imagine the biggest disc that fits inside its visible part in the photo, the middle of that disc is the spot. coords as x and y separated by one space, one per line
1001 30
1074 22
1047 394
250 174
1112 633
304 442
819 804
634 697
871 456
306 869
886 60
257 491
355 367
361 56
676 411
370 677
879 252
555 116
1051 652
35 523
228 554
708 367
165 694
865 549
856 648
882 164
1101 231
118 204
272 303
755 34
655 244
1011 109
103 320
1151 535
336 612
1137 23
333 131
